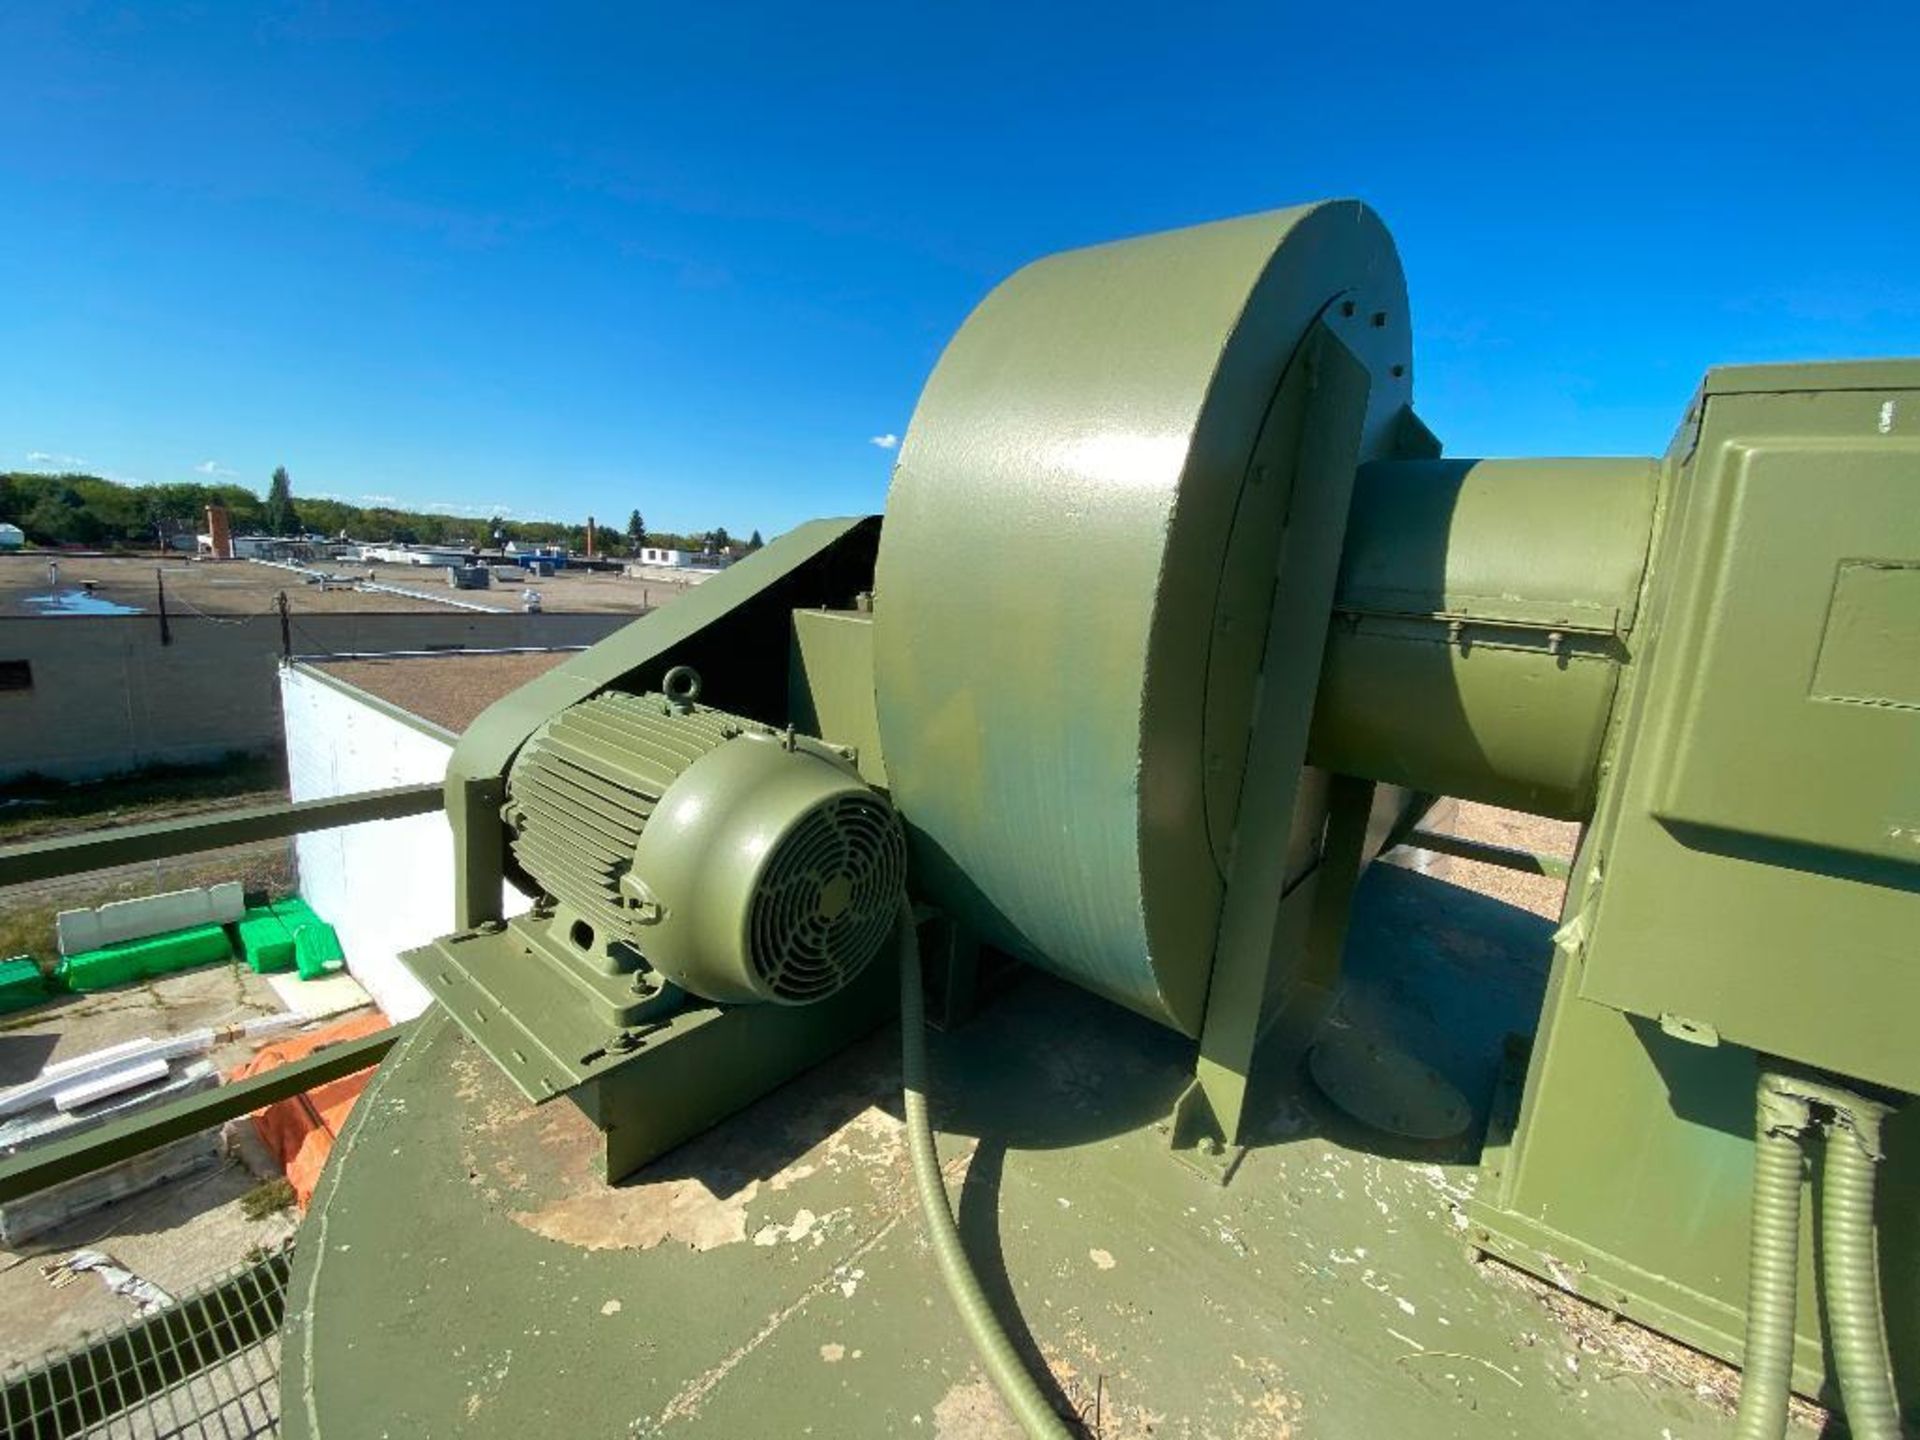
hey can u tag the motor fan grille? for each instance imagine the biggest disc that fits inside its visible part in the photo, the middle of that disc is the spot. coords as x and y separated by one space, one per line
827 898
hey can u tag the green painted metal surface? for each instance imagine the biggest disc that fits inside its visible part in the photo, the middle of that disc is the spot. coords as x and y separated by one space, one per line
1482 614
739 863
733 630
1762 830
770 1276
830 683
1741 889
692 866
1061 565
1277 950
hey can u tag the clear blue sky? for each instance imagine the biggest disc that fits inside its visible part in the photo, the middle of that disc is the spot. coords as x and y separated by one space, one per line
694 258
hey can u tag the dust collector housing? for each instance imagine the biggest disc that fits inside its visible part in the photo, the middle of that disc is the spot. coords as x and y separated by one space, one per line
739 863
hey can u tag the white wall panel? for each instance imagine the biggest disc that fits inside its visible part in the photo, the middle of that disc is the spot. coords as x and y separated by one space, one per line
386 886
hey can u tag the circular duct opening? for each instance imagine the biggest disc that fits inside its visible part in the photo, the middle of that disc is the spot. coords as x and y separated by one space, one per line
826 899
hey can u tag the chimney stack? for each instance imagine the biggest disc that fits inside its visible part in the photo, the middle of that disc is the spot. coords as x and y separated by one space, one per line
219 535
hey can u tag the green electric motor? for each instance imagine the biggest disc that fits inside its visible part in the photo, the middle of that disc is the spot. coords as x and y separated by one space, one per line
683 844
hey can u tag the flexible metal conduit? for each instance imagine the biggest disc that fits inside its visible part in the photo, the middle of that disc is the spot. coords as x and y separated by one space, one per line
1850 1277
1766 1380
1003 1364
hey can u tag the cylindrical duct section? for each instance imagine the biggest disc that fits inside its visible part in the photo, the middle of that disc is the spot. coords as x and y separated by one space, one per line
1480 625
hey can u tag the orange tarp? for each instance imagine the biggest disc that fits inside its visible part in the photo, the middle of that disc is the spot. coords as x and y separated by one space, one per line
300 1130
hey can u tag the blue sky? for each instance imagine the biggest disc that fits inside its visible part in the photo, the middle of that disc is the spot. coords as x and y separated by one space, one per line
556 259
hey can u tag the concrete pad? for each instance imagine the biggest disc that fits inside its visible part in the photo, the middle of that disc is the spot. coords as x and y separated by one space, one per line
170 1005
330 995
179 1236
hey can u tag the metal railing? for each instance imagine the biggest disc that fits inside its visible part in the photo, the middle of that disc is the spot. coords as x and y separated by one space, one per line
210 1360
165 839
206 1365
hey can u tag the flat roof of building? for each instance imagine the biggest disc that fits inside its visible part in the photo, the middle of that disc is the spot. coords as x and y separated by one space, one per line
126 584
448 689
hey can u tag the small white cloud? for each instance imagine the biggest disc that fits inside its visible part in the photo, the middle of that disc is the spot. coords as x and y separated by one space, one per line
214 467
42 457
888 441
470 511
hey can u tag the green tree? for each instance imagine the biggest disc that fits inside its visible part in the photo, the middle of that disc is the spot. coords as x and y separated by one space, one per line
636 533
171 510
754 542
61 517
281 517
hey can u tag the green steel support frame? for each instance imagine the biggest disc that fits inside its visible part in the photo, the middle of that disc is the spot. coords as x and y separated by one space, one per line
1279 949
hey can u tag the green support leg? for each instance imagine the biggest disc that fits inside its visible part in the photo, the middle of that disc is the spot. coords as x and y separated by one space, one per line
1265 962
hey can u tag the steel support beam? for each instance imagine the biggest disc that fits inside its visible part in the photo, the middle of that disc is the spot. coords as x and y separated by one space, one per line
1528 862
1277 950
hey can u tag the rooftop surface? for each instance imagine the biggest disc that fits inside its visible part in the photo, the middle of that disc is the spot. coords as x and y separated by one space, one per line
448 689
464 1272
128 584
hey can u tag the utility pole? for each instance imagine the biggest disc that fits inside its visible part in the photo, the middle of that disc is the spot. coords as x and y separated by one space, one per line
286 627
160 582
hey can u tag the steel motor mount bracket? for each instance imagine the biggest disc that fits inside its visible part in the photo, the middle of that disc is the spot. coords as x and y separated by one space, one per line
653 1084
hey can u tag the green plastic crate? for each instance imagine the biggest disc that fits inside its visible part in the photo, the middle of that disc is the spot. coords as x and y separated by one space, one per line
132 960
21 983
265 941
316 947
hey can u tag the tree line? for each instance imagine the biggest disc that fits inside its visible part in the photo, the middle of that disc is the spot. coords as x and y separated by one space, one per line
74 509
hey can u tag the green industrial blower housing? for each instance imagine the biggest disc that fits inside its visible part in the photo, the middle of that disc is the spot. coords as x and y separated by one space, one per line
1177 618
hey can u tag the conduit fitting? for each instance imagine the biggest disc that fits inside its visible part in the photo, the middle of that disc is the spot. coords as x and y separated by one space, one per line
1785 1109
1860 1121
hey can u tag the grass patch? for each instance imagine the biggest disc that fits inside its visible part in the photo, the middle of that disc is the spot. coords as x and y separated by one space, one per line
268 1198
34 806
27 929
27 912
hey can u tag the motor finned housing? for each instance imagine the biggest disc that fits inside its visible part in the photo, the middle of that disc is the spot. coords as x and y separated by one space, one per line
740 863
